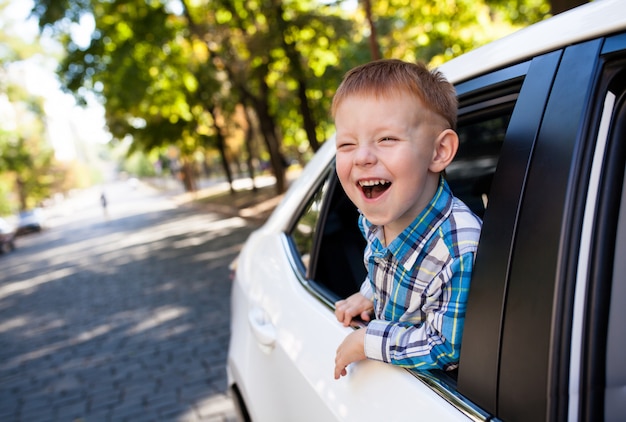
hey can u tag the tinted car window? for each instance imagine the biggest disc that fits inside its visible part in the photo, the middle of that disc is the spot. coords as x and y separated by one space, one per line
481 134
303 232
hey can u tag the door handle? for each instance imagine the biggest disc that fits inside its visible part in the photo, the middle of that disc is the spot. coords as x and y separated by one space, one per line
262 327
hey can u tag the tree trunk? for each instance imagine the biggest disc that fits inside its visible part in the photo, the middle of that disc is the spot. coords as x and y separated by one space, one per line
299 74
221 146
374 49
268 129
249 147
260 105
188 177
21 192
267 125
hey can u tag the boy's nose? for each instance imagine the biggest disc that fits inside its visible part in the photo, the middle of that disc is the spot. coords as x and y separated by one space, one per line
364 156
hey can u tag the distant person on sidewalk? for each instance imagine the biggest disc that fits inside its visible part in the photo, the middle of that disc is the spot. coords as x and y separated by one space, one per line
103 202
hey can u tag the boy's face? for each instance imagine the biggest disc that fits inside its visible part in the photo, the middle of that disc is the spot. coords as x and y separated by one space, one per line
385 147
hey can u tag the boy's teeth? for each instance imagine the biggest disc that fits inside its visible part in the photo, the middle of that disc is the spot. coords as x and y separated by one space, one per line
372 182
374 188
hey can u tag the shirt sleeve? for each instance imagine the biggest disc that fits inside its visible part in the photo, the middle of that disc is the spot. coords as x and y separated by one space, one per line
436 342
366 289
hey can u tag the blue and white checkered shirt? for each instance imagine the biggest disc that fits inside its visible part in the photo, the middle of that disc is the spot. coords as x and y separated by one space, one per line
419 285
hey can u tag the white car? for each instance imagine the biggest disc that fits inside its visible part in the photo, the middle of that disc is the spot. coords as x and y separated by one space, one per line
7 236
542 123
30 221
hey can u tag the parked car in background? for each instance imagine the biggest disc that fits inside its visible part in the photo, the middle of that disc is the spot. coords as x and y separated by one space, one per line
7 236
30 221
542 159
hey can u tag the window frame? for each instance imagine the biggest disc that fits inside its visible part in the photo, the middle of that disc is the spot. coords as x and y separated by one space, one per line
302 273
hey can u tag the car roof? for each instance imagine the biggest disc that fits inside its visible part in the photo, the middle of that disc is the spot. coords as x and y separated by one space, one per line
582 23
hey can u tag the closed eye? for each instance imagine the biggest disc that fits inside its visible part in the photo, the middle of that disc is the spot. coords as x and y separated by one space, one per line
344 145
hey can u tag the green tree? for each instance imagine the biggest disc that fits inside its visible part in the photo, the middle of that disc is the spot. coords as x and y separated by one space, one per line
436 31
173 72
271 54
26 158
159 86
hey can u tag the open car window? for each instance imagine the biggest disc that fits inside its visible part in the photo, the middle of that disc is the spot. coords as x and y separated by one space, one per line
327 241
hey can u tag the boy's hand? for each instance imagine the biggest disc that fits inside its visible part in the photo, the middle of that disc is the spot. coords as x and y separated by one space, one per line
352 349
353 306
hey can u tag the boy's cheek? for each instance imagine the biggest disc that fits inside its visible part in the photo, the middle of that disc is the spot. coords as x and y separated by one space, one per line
342 173
349 189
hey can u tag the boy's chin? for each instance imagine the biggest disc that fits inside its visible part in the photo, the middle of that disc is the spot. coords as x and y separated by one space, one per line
376 218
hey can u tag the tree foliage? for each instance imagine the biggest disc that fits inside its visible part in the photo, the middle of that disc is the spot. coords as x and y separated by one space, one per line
180 72
28 171
26 163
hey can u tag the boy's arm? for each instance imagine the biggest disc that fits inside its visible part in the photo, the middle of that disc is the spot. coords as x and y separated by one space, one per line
436 342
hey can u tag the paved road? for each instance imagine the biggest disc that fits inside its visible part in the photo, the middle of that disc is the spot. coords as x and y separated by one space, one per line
118 317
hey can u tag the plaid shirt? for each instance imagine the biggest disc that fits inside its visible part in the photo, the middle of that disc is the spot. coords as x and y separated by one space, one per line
419 285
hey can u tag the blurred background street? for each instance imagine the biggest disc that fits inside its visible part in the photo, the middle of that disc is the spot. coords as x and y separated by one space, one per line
122 315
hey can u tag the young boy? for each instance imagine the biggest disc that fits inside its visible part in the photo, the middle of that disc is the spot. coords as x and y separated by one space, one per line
395 125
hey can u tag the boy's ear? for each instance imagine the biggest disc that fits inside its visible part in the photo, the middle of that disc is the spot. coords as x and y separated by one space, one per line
446 145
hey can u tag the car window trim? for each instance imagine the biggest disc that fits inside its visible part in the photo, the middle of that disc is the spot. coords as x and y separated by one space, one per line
452 396
614 44
584 257
486 82
465 113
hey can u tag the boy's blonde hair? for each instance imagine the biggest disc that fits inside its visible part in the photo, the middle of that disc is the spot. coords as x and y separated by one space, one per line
389 76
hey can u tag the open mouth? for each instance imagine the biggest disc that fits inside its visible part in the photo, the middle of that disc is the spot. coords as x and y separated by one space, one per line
374 188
